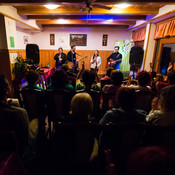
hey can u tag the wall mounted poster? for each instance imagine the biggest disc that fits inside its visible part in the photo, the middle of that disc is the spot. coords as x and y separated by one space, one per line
12 42
78 39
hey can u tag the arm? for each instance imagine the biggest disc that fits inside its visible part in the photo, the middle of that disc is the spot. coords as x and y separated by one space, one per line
56 57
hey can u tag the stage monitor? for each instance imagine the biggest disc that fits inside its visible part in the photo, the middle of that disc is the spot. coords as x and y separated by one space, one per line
32 52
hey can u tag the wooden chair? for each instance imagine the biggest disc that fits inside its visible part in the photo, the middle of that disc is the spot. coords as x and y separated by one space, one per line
34 102
58 105
42 79
122 139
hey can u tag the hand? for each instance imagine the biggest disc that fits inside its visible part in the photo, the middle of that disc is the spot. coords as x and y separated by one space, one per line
109 63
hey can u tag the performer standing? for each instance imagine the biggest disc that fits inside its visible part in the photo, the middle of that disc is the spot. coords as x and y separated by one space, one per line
60 58
71 56
115 59
95 60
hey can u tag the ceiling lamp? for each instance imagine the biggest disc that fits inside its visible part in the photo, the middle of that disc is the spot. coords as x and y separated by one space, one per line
51 6
110 20
122 5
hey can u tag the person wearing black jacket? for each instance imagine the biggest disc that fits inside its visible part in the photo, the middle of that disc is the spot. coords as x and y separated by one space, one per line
60 58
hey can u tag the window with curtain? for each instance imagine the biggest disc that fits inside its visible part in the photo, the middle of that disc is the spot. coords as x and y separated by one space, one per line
165 29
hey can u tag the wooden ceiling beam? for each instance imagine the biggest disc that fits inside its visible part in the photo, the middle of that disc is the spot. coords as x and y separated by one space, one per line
81 17
80 22
77 1
75 11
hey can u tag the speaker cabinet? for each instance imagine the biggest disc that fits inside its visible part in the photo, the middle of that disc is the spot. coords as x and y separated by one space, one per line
32 52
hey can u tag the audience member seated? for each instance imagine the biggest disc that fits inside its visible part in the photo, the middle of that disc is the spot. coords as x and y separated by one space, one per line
109 91
65 67
143 81
81 107
59 81
12 118
32 78
87 83
108 74
163 110
171 77
150 161
126 98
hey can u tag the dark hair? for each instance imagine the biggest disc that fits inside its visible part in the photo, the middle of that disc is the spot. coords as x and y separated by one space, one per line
4 86
109 70
88 77
72 46
117 77
65 67
59 79
143 78
60 48
32 77
97 54
171 77
168 98
126 98
117 47
150 161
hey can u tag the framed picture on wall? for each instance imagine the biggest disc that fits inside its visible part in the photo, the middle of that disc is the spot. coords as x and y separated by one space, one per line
78 39
52 39
104 40
26 40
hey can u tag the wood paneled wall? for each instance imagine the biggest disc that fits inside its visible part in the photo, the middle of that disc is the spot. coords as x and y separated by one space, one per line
47 56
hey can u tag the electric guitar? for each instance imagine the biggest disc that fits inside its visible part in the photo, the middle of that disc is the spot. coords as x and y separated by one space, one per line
112 63
71 65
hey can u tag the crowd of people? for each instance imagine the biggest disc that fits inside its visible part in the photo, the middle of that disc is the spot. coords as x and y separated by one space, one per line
150 101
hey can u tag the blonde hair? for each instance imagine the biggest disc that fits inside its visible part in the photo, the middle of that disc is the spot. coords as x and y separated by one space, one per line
81 105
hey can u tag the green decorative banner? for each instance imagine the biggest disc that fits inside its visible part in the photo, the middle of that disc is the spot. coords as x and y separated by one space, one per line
12 41
125 47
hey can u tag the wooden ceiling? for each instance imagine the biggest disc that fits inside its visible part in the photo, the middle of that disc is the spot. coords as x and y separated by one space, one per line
69 13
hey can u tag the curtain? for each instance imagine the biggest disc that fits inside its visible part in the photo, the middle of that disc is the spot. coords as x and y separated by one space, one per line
165 29
139 35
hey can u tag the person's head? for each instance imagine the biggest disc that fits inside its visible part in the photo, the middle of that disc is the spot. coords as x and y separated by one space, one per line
116 77
126 98
96 53
65 67
168 98
59 79
73 48
81 106
109 70
32 77
4 87
88 77
171 77
150 161
143 78
60 50
116 48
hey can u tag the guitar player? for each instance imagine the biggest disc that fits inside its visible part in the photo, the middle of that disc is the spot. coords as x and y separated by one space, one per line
115 59
71 56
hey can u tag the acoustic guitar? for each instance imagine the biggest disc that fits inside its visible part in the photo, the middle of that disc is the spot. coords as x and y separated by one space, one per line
71 65
112 63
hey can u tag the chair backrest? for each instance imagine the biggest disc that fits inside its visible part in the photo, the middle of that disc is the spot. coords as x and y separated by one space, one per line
122 138
76 141
58 103
144 99
34 102
9 142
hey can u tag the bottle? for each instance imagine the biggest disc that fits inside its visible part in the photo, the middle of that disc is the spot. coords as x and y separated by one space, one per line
48 65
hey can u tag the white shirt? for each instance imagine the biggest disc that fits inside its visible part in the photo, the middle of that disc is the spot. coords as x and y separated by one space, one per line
98 61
